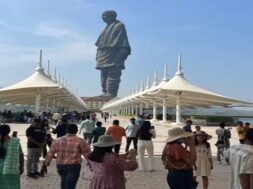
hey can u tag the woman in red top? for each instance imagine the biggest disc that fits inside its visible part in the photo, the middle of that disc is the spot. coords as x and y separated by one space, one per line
178 160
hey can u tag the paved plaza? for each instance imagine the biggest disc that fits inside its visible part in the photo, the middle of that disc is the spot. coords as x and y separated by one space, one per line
136 179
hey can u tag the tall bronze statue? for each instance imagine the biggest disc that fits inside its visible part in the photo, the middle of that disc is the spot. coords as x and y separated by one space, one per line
112 50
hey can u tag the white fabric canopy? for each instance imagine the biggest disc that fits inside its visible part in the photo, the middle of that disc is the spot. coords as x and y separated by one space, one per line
176 92
39 84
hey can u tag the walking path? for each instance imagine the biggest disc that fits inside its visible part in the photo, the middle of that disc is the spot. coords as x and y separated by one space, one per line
136 179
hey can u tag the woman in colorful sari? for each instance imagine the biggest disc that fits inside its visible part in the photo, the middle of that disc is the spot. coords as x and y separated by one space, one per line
11 160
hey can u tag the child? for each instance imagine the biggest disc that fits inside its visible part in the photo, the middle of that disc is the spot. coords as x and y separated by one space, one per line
204 163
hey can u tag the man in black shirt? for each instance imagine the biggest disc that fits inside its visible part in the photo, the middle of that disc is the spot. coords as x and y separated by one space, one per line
61 129
98 131
187 127
36 136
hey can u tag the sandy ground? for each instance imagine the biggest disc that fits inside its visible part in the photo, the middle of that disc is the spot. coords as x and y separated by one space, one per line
135 179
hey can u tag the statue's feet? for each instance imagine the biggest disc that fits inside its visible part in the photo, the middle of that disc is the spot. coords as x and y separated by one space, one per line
110 95
107 95
103 94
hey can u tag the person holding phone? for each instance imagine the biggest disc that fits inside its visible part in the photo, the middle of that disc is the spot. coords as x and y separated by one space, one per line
145 135
108 167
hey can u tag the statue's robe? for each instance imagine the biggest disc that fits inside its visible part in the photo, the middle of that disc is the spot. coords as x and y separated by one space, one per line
112 46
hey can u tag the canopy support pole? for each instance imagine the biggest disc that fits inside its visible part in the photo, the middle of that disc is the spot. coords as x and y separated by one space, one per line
53 105
178 110
141 108
146 105
164 111
37 104
132 112
154 111
136 109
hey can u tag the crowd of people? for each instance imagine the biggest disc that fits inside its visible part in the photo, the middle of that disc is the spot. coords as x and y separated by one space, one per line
25 116
186 155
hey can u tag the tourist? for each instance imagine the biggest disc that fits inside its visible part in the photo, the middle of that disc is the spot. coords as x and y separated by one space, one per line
106 116
94 118
204 163
117 132
241 162
49 139
223 142
247 126
86 128
178 160
139 120
145 135
36 141
108 168
197 128
68 150
187 127
60 129
11 160
241 132
97 132
131 134
56 117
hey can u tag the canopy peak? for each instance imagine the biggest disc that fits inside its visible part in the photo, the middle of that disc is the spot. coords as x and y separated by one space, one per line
155 78
165 76
179 66
40 68
148 82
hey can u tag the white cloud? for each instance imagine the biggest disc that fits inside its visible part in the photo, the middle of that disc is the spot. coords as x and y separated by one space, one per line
68 47
47 30
17 55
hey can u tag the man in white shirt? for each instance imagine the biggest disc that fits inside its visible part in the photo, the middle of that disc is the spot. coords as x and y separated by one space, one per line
131 133
241 160
86 128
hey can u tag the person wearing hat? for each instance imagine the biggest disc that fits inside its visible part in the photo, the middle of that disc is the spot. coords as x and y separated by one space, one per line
204 163
108 168
178 160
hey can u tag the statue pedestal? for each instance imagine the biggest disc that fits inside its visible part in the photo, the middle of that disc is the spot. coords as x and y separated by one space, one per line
95 103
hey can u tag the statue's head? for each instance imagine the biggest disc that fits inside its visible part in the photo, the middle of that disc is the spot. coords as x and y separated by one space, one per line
109 16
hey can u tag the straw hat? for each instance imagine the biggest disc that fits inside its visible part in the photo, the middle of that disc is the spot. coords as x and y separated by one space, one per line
177 133
104 141
203 133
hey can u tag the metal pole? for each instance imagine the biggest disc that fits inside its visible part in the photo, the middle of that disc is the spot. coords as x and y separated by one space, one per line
178 110
154 111
164 110
37 104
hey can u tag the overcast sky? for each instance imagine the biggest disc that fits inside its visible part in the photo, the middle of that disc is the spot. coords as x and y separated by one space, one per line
214 38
